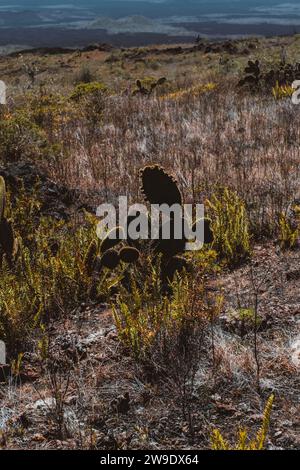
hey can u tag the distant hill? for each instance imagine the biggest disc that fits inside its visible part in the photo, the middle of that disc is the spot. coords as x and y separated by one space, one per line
141 22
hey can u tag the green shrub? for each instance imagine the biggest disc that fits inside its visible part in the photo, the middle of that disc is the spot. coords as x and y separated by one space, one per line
230 226
20 137
289 235
148 321
49 274
85 75
84 90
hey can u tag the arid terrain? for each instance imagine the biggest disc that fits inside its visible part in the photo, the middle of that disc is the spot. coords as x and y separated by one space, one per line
114 358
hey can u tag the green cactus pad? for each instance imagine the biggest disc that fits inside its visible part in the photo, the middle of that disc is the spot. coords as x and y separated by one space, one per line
129 255
175 265
171 246
208 233
161 81
110 259
158 187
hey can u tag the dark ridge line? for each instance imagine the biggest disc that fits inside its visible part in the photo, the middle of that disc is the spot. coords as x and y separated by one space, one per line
175 49
62 50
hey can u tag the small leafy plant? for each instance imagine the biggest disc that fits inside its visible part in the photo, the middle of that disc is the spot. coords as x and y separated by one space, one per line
230 226
218 442
282 91
289 235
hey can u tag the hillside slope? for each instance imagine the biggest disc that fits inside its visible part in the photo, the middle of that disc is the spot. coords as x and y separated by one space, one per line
144 356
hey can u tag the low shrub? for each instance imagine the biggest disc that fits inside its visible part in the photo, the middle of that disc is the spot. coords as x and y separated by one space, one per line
230 226
289 235
48 274
84 90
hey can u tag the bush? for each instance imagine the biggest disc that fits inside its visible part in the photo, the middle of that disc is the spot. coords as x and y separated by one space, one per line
148 322
282 91
84 90
289 235
20 137
85 76
48 274
230 226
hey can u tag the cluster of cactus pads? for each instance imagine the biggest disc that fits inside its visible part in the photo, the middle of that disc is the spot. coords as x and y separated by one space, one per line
252 74
283 74
157 187
7 238
142 90
108 255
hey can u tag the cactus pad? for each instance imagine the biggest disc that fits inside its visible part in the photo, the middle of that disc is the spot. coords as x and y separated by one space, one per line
175 265
158 187
90 257
129 255
110 259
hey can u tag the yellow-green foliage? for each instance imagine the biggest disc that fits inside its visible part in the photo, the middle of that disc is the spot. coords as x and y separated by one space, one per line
194 91
20 137
51 111
218 442
288 236
230 226
144 316
282 91
49 273
87 89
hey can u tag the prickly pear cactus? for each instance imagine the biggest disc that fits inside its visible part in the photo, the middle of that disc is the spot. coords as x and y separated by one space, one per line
142 90
110 259
129 255
7 239
158 187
